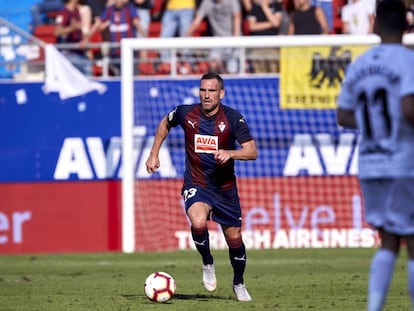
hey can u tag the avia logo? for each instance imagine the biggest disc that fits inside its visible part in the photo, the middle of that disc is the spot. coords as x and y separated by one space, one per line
319 155
205 143
87 159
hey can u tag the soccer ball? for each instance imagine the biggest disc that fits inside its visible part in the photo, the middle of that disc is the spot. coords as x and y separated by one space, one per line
159 286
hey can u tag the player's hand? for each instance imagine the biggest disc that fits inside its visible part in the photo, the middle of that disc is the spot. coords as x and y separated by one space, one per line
153 163
222 156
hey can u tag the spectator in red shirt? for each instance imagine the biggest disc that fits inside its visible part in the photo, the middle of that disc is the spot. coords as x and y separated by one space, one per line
69 30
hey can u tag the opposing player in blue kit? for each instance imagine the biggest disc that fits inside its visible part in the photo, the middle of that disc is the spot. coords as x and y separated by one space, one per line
212 131
377 97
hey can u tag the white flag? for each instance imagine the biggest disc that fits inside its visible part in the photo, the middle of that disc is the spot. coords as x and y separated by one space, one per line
63 77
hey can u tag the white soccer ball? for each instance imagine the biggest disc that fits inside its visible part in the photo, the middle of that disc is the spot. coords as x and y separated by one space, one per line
159 286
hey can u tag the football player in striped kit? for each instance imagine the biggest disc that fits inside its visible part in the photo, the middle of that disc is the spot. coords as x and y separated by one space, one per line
212 131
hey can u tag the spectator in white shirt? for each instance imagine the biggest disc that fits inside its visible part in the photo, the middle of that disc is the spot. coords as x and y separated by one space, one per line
358 17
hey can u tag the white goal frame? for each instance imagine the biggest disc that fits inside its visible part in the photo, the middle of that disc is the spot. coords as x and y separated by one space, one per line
129 45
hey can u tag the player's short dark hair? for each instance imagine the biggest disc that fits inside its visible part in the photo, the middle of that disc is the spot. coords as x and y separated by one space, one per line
391 17
213 75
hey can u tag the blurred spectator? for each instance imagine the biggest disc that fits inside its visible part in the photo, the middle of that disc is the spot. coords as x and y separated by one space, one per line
144 14
410 16
246 5
327 8
86 16
265 19
122 21
97 7
357 17
306 19
176 19
40 10
69 30
224 17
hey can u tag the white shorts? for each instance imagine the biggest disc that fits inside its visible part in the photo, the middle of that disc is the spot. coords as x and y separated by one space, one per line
389 203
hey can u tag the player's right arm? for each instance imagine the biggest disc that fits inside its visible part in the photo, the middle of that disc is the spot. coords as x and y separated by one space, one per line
153 161
407 107
407 101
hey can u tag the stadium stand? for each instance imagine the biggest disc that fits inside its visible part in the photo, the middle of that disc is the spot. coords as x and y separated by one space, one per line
19 15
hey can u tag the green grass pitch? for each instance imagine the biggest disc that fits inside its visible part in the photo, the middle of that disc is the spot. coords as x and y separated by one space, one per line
285 279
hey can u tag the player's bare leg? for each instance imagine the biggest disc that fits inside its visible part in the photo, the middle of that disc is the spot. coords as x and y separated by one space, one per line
198 214
381 270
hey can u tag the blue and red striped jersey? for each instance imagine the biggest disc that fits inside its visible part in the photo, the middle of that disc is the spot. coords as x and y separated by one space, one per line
65 18
120 23
203 136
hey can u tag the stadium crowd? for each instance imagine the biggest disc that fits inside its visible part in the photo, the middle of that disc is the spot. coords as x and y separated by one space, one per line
82 22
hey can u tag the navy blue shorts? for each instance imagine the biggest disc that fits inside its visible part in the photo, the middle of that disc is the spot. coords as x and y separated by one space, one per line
225 204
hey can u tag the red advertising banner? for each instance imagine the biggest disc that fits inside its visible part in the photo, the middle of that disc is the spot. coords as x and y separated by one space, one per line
59 217
287 212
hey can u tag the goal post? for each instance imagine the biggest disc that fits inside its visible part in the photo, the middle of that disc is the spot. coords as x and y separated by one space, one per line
137 188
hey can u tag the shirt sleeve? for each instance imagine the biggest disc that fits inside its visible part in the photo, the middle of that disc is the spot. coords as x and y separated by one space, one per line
236 6
62 19
203 9
345 100
173 118
105 15
241 129
345 14
132 12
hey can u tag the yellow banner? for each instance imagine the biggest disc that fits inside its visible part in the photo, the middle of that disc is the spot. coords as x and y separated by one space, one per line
310 77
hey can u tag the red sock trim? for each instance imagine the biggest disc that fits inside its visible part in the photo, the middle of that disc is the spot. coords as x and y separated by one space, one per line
198 231
235 243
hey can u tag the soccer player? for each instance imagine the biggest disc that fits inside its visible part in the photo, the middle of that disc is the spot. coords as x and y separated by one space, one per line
210 190
377 97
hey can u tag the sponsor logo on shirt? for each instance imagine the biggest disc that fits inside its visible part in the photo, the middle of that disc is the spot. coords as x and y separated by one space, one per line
205 143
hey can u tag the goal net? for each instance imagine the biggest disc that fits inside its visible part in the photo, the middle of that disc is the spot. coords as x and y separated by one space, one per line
301 192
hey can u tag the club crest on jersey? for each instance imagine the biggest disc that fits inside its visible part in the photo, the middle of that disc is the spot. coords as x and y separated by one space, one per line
205 143
222 126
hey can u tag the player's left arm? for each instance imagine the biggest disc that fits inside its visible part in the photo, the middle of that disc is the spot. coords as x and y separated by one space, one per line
346 118
153 161
247 151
